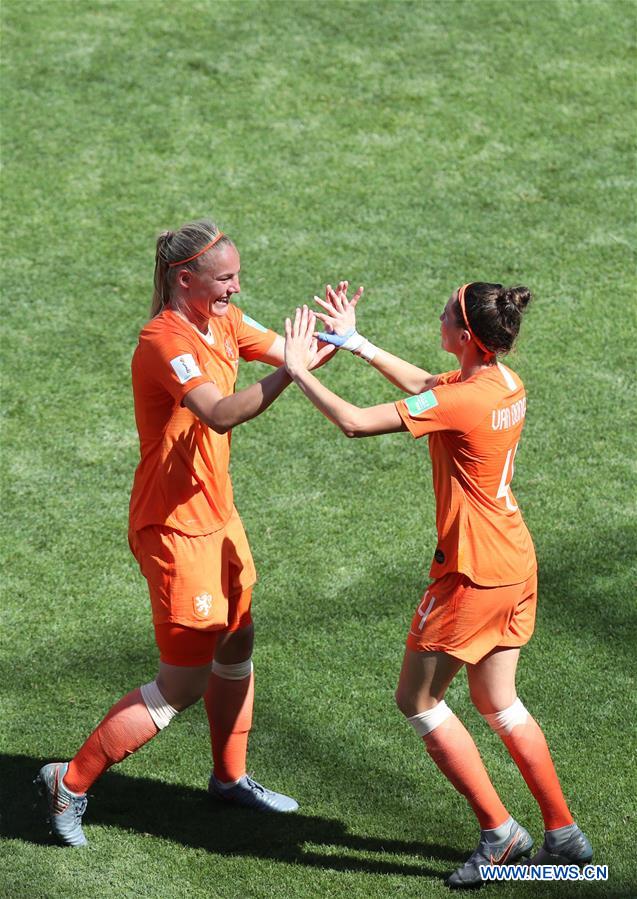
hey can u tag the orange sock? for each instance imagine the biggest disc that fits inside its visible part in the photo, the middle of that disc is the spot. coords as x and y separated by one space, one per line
125 728
523 737
229 700
451 747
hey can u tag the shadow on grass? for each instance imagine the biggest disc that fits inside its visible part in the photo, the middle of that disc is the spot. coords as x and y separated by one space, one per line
585 581
190 818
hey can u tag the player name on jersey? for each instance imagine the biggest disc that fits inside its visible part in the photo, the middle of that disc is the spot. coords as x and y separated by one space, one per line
501 419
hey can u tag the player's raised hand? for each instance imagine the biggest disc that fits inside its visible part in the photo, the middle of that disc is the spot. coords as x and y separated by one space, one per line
300 343
339 317
341 290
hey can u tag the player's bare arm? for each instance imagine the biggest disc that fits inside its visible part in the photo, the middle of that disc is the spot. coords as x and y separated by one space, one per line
402 374
352 420
221 413
339 319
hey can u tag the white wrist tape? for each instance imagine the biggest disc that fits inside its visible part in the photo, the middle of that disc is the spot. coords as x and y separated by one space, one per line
353 342
237 671
158 709
427 721
366 350
503 722
360 346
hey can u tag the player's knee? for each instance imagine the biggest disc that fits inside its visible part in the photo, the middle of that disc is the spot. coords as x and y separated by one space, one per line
402 701
479 700
181 694
411 704
490 701
189 696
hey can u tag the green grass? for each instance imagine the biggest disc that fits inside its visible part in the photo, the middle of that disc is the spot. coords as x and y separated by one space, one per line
406 146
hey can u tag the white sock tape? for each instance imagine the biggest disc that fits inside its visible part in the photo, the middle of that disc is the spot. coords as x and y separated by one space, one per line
233 672
503 722
425 722
158 709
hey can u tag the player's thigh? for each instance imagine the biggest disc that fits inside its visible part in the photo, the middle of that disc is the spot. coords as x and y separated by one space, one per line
492 680
423 681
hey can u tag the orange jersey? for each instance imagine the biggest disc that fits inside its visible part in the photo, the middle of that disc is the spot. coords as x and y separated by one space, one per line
182 480
474 428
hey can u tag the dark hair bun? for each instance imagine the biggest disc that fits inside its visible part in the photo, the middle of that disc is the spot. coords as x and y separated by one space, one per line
518 297
494 313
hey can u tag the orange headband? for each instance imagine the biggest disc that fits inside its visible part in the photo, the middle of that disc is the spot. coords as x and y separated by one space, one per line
466 320
200 253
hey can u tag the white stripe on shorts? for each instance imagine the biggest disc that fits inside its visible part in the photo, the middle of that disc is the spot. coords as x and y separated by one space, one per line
424 615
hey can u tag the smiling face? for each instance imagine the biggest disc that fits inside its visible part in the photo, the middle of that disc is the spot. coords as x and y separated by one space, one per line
208 290
217 280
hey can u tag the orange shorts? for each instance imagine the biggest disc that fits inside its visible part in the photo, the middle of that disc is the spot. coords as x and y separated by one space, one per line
467 621
198 582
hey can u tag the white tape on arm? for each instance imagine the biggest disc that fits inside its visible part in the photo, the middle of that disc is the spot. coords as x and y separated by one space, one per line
366 350
353 342
360 346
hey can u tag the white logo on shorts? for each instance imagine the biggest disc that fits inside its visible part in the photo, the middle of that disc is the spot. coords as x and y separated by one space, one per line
203 604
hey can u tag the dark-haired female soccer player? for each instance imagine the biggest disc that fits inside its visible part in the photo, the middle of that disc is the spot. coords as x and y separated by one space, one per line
479 609
184 529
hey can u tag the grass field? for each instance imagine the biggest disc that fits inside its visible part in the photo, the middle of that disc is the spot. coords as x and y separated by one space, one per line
406 146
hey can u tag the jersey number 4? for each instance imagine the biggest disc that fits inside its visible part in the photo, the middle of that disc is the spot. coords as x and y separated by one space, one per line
505 481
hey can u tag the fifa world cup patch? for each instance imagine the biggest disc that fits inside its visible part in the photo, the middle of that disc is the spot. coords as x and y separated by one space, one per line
253 324
202 605
421 402
185 367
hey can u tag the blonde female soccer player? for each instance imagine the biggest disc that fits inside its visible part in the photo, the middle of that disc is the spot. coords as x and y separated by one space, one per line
184 529
479 609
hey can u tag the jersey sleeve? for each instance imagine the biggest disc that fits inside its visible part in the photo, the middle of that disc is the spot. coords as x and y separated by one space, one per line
253 338
449 406
172 361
